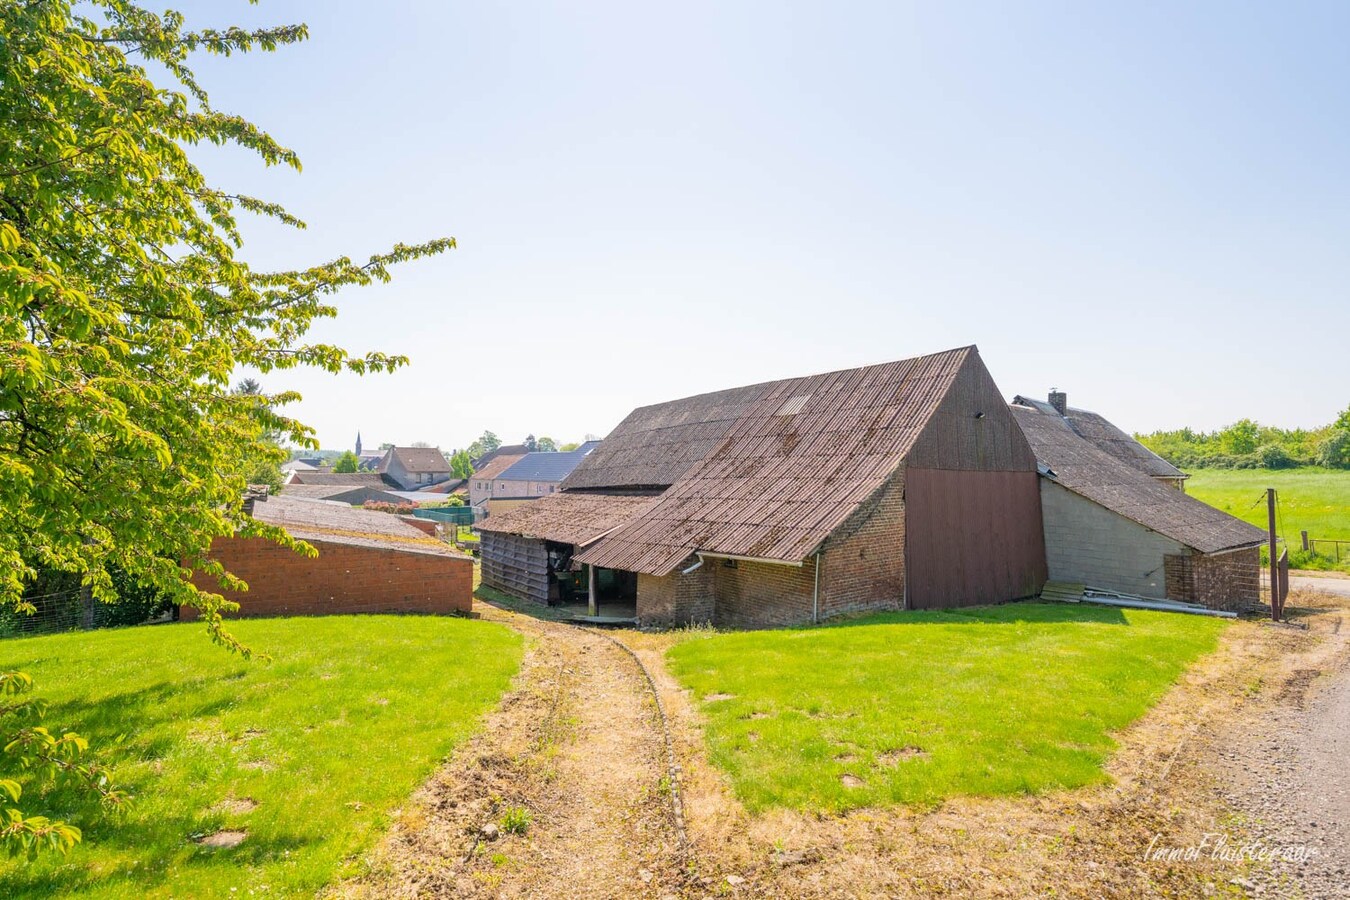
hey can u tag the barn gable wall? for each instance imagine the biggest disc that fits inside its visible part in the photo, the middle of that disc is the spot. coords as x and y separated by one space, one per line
955 439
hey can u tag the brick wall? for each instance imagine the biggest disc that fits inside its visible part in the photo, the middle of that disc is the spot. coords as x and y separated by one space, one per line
343 579
424 525
676 599
1230 581
1089 544
862 566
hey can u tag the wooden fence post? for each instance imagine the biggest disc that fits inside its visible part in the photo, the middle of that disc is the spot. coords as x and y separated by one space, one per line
1305 540
1274 558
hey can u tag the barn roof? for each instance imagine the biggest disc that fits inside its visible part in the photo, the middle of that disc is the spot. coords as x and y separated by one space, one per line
768 470
1109 439
1080 466
338 523
572 517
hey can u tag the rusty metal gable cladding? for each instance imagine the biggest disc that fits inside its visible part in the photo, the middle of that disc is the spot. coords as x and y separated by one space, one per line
780 481
1078 465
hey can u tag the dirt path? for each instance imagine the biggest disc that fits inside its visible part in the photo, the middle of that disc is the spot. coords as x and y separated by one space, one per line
1293 764
1332 584
576 745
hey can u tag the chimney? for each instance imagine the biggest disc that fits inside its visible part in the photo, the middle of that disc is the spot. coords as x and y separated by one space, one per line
256 493
1059 400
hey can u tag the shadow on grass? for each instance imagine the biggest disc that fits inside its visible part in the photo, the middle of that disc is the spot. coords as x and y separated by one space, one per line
137 714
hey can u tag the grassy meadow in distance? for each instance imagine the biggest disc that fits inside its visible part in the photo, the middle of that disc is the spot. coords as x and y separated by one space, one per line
916 707
306 753
1312 500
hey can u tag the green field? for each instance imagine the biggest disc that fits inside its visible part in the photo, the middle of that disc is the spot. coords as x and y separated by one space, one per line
1312 500
307 753
916 707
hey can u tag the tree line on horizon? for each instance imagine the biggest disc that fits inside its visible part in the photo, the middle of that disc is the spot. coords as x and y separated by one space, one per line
1247 444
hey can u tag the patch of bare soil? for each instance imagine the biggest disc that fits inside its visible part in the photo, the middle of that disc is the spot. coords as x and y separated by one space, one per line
561 794
1130 838
223 839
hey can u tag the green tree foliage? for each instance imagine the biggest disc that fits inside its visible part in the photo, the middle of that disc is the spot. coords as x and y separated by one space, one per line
485 444
531 445
547 445
125 309
461 465
348 462
1248 445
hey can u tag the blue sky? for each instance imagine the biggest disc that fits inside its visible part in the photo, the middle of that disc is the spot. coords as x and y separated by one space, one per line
1126 201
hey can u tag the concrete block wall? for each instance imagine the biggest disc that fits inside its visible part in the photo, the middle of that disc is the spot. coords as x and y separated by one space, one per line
1089 544
343 579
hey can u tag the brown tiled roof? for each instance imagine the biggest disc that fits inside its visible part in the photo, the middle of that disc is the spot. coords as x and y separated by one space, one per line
769 470
503 450
1078 465
573 517
1109 439
420 459
497 465
337 523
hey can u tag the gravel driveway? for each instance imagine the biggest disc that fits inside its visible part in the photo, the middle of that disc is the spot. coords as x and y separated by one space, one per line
1292 777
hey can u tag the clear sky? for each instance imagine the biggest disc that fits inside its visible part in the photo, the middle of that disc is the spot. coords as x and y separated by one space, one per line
1125 201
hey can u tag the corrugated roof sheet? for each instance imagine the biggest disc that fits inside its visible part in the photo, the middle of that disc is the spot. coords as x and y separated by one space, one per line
572 517
1077 464
553 466
338 523
750 477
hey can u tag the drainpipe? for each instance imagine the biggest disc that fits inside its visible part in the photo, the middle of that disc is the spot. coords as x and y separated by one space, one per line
694 567
815 594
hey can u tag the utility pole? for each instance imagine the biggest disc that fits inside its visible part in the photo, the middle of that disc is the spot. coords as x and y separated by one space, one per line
1276 611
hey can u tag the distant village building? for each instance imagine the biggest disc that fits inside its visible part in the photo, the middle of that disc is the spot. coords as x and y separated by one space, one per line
528 478
412 468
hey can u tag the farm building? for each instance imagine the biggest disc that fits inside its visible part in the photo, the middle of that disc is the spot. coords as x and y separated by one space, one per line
1112 522
369 562
902 485
1109 439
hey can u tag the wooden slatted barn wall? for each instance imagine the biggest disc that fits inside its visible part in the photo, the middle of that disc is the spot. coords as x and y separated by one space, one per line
516 565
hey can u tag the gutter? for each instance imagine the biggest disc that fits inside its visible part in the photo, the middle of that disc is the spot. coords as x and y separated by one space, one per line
777 562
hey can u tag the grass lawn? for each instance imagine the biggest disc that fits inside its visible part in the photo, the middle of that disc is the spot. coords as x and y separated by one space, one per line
1312 500
307 753
916 707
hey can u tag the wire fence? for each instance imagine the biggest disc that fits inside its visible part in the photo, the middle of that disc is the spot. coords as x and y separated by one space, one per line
60 603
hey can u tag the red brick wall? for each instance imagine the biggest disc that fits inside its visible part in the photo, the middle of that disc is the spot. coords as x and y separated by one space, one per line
426 525
676 599
863 563
343 579
756 594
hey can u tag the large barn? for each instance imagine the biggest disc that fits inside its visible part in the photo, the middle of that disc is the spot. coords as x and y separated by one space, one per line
1115 519
906 485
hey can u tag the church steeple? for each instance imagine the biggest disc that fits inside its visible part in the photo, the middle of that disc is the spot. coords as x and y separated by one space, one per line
358 443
